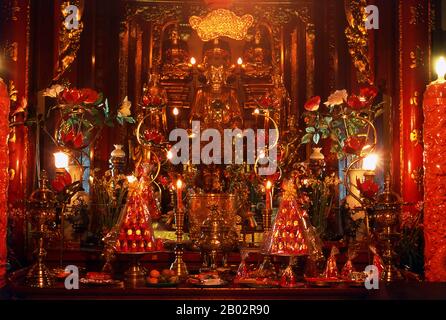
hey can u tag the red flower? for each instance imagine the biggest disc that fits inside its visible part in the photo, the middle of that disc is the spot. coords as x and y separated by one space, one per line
355 102
73 139
313 104
164 181
153 136
354 145
61 181
369 92
78 141
266 102
72 96
89 96
368 188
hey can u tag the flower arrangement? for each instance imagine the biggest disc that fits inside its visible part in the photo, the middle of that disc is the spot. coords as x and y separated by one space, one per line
153 100
82 113
345 120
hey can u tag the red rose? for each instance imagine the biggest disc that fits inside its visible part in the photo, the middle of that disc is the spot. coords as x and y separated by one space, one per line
78 141
67 137
369 92
313 104
355 103
368 188
72 96
266 102
89 96
153 136
354 145
61 181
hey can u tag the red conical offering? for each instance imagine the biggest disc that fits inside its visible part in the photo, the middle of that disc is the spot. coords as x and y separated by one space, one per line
289 233
135 229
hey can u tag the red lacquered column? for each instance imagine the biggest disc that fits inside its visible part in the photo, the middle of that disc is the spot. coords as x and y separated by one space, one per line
435 181
4 177
414 43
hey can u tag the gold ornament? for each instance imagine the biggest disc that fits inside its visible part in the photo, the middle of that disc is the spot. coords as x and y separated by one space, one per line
221 23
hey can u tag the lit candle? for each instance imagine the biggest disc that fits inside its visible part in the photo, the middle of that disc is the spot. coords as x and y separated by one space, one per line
193 61
268 190
240 61
434 108
61 160
369 163
179 194
175 113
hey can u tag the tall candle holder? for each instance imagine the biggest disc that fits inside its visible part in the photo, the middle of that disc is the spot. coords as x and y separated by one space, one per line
179 266
42 203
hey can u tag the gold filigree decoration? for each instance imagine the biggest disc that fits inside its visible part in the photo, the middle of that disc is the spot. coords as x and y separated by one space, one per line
221 23
10 50
417 58
416 14
69 38
357 38
414 99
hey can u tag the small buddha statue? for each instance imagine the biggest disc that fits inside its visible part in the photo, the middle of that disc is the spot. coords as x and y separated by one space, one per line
257 58
175 62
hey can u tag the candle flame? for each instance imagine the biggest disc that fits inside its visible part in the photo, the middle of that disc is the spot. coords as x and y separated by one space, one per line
239 61
61 160
169 155
179 184
256 111
269 185
440 68
370 162
193 61
175 111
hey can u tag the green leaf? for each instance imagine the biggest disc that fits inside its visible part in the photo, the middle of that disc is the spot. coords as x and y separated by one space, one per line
316 138
306 138
310 130
120 120
130 119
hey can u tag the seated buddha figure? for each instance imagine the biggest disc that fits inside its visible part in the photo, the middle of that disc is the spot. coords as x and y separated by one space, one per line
257 57
175 58
216 105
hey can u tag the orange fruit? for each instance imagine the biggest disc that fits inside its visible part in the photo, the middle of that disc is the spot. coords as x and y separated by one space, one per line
152 280
154 273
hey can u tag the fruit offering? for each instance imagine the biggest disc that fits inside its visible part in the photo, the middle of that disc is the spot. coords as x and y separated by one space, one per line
166 276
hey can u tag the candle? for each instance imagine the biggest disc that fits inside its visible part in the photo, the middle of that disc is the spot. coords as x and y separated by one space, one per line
268 189
369 163
434 107
179 194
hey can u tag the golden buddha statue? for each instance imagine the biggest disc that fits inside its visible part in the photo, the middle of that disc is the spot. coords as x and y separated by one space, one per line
216 105
257 58
175 58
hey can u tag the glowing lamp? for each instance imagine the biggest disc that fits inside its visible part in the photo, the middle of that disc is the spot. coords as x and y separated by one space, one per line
370 162
61 160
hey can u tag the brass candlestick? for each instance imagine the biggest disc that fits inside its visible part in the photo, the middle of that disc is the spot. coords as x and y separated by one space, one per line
42 205
384 222
266 265
179 266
